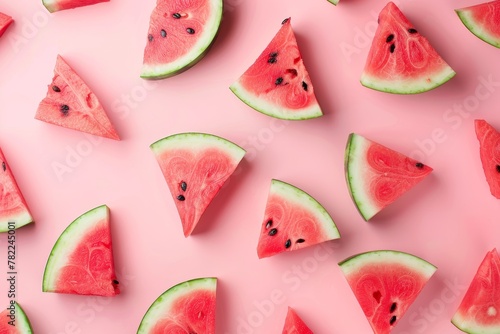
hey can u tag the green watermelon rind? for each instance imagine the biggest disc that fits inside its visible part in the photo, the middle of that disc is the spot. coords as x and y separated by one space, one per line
22 219
459 323
22 322
161 305
198 52
335 2
303 199
67 242
273 110
465 16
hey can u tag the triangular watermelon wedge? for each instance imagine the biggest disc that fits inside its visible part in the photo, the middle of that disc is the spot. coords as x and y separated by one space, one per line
278 84
57 5
13 320
386 283
401 60
483 20
14 212
195 166
294 324
5 22
479 311
489 151
71 104
293 220
377 175
81 261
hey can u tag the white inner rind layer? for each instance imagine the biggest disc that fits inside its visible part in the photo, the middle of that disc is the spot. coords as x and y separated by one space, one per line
295 195
51 5
67 243
468 325
271 109
163 304
198 50
354 264
22 322
409 85
20 220
477 28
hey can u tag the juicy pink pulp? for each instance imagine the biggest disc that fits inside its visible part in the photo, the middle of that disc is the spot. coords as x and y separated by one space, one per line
90 268
176 41
294 324
489 151
69 4
412 57
281 59
5 22
5 327
193 313
487 16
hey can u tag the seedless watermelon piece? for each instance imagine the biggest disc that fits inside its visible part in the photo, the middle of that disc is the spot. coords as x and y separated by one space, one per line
377 175
13 320
180 34
386 283
81 261
5 22
57 5
479 311
71 104
489 151
195 166
294 324
13 207
278 84
483 20
293 220
188 307
401 60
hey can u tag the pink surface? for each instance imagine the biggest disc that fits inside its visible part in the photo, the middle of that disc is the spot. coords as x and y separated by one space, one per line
450 219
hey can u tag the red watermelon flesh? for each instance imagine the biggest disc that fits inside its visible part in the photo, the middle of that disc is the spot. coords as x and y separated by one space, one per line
57 5
5 22
20 320
294 324
489 151
400 59
71 104
479 311
13 207
483 20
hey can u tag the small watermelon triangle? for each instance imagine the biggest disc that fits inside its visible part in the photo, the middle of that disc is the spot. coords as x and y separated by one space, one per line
489 151
81 261
20 324
293 220
294 324
14 212
400 60
57 5
377 175
483 20
5 22
278 83
479 311
195 166
71 104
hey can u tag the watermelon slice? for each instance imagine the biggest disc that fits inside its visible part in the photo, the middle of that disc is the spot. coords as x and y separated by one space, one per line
195 166
293 220
13 207
188 307
479 311
385 284
295 325
71 104
489 151
13 320
401 60
180 34
278 84
377 176
483 20
5 22
57 5
81 261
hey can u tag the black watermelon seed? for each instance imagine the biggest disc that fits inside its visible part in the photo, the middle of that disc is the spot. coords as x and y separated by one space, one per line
183 186
419 165
284 21
299 241
150 37
272 60
181 198
278 81
288 243
393 307
393 320
163 33
304 85
56 89
4 167
389 38
412 31
269 223
116 282
64 109
273 232
392 48
190 31
273 54
498 168
176 15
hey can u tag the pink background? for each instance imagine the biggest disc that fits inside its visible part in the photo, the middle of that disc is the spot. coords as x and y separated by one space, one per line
450 219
